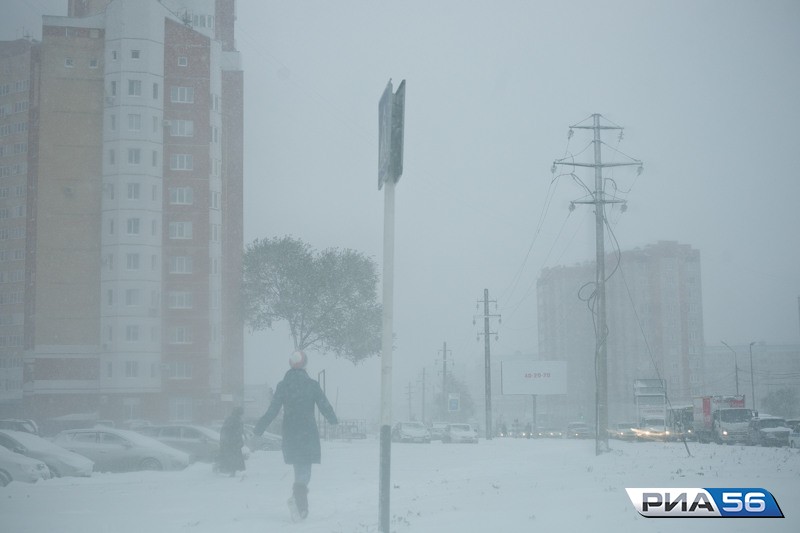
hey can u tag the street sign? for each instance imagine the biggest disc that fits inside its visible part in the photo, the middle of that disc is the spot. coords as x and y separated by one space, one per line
453 402
391 124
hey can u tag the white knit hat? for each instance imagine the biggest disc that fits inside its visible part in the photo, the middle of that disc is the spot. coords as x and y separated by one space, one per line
298 359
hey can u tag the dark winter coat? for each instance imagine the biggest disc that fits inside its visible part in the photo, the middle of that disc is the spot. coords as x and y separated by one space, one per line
231 440
298 394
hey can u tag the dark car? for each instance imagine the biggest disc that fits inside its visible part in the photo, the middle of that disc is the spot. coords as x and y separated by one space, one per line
768 430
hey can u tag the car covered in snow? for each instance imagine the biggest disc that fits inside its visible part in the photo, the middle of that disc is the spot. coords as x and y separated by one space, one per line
201 443
17 467
436 430
122 450
59 460
410 432
460 433
766 430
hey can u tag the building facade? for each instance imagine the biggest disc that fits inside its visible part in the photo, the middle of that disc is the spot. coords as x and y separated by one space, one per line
654 316
133 233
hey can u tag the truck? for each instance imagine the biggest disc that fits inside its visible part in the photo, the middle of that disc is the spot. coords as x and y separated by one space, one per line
650 397
721 419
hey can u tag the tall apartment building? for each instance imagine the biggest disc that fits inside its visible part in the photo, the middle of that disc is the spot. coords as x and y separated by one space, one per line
655 321
132 239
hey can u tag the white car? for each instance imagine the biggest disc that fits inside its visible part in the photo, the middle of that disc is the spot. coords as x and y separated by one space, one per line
794 439
16 467
460 433
59 460
410 432
122 450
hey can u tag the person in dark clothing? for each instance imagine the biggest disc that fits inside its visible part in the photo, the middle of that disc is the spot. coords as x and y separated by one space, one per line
298 394
231 441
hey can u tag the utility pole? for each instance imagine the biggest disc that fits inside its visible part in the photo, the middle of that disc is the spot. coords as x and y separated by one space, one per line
735 366
487 355
752 376
408 394
423 394
598 199
444 378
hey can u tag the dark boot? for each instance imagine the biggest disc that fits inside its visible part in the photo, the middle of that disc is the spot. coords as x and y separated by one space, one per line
300 494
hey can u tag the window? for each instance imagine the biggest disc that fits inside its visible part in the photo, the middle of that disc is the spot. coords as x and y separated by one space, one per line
136 54
215 199
180 299
180 370
181 128
114 55
183 95
133 261
155 91
180 335
131 333
180 230
111 227
181 162
133 226
132 297
112 159
131 369
154 158
113 119
181 196
93 62
133 191
135 122
134 88
183 61
113 88
180 264
68 62
134 156
110 297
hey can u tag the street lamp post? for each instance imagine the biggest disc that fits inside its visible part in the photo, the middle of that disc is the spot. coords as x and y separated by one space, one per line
735 366
752 376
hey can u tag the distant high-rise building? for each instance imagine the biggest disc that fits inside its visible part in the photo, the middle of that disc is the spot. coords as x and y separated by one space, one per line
123 233
655 329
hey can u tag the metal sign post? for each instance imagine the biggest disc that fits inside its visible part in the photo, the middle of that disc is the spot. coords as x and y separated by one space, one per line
391 111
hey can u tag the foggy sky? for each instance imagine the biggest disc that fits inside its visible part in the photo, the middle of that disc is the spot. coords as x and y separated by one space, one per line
707 92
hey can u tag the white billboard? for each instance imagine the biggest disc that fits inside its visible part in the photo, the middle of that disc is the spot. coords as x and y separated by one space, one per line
533 377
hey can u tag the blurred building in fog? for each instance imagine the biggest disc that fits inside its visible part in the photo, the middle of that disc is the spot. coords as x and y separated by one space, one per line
121 213
655 321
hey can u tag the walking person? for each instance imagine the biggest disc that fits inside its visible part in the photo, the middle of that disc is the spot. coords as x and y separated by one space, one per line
298 394
231 441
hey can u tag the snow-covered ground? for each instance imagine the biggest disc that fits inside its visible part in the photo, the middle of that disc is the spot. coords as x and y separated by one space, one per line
495 486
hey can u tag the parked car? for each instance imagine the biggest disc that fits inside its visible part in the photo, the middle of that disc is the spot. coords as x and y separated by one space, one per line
410 432
121 450
17 467
59 460
201 443
794 439
793 424
766 430
437 430
460 433
623 431
20 424
267 441
578 430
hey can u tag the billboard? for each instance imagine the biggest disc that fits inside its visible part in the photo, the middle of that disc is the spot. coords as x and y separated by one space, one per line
533 377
